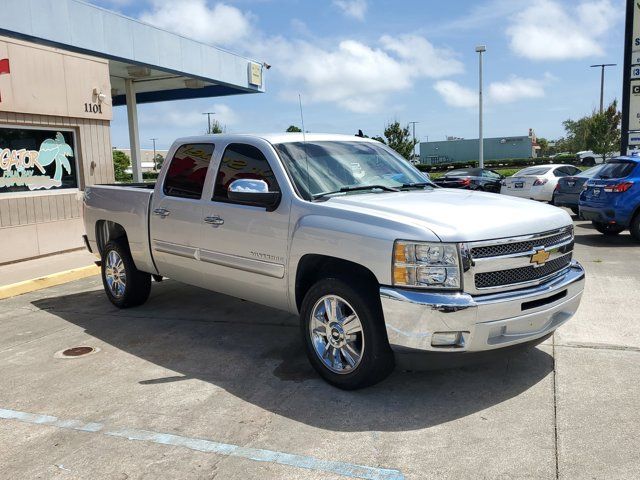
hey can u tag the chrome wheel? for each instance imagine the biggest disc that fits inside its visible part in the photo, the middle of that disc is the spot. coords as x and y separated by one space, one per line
115 274
336 334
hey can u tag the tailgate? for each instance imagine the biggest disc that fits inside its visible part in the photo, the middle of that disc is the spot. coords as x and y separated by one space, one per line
594 194
571 184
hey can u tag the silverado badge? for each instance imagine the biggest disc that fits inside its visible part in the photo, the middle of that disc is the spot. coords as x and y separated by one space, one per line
540 257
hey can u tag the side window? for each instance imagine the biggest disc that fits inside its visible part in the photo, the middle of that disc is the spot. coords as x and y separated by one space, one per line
187 171
242 161
561 172
575 171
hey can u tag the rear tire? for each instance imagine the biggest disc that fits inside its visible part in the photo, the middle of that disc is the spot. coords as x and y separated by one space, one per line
343 331
588 162
634 228
576 210
606 229
124 284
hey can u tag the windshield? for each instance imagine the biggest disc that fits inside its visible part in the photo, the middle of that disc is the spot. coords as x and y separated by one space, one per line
533 171
322 167
616 169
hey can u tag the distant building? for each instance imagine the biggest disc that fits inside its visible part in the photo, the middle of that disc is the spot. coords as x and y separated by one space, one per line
458 150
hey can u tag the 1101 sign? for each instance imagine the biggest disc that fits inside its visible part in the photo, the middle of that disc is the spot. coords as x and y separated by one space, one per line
93 108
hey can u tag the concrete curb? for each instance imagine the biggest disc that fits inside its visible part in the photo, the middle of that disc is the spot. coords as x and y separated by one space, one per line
39 283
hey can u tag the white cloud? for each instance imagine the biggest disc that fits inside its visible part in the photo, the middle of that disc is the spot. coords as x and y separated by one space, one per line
547 30
357 76
455 94
509 91
352 8
514 89
218 25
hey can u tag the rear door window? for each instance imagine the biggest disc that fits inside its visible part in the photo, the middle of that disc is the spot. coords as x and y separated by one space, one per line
616 169
532 171
187 171
242 161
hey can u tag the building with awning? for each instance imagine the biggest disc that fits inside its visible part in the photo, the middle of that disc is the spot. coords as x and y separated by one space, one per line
64 65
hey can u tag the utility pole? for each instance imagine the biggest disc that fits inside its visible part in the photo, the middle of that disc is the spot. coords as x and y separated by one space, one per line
154 153
414 136
208 114
602 67
480 49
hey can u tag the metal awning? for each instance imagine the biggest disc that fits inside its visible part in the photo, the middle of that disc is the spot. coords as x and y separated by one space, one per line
146 64
164 65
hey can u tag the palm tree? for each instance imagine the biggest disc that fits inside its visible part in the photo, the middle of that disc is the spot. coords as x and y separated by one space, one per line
56 150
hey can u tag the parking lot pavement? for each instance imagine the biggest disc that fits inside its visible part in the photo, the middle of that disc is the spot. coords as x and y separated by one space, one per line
199 385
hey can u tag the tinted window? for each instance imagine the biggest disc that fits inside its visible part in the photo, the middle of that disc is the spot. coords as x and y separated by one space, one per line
187 171
242 161
591 171
533 171
616 169
563 171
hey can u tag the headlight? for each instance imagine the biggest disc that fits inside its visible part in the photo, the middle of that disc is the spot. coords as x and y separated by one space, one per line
426 265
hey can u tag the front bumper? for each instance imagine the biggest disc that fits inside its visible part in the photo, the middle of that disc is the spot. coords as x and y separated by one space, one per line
487 321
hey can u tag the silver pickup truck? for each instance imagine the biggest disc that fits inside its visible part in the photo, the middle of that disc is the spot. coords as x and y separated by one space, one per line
343 231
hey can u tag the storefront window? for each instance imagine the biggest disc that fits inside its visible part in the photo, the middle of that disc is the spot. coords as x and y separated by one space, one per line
32 160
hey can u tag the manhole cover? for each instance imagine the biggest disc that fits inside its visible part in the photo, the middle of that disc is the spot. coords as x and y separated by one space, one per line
75 352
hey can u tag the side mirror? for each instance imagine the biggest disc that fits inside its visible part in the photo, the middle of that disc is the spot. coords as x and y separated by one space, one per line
253 192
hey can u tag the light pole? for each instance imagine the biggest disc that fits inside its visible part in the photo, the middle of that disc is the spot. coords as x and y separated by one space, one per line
208 114
480 49
414 136
154 153
602 66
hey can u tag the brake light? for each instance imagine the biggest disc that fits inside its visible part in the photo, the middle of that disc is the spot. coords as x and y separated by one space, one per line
539 181
557 187
619 188
465 182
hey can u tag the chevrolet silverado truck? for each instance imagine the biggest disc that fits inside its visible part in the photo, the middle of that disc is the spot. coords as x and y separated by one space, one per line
375 259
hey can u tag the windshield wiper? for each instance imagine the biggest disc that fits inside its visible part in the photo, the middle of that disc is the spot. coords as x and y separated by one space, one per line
357 188
418 185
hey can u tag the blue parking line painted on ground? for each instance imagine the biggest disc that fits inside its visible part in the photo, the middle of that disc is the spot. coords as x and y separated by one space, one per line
209 446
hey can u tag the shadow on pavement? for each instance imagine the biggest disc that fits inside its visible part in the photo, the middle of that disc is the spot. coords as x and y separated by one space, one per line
255 353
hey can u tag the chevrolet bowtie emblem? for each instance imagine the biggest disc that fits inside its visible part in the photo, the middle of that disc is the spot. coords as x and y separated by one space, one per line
540 257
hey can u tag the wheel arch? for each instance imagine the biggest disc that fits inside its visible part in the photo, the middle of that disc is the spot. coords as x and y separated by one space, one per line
314 267
106 231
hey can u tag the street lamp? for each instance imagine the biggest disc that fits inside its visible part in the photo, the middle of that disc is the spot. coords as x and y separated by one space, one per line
480 49
414 136
155 167
602 66
208 114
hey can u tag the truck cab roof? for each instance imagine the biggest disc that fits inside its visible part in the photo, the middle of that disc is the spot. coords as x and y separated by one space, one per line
274 138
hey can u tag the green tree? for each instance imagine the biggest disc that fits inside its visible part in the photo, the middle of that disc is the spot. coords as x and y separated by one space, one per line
399 138
379 139
158 160
603 132
121 162
294 129
576 138
543 143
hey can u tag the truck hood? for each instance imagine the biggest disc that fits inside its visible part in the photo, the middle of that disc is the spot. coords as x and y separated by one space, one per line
459 215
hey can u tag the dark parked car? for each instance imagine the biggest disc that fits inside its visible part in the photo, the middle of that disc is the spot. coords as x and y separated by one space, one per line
471 179
567 192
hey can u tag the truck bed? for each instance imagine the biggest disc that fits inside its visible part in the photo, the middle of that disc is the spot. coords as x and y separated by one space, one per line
126 205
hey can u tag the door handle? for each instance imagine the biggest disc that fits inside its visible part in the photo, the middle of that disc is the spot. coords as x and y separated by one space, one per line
161 212
214 221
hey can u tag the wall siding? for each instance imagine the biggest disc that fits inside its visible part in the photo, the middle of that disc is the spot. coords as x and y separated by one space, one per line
93 143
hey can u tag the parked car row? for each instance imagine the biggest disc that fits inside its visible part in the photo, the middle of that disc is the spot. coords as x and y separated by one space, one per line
607 194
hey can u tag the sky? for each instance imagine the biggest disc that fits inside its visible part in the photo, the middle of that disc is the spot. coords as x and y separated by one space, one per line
360 64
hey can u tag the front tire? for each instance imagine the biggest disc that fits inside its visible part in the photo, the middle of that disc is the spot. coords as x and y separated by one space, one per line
343 331
607 229
124 284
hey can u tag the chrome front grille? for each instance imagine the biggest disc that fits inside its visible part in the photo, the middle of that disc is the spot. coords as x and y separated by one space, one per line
522 274
517 262
519 247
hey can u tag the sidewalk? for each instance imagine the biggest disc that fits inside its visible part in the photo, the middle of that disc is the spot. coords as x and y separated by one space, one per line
29 275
